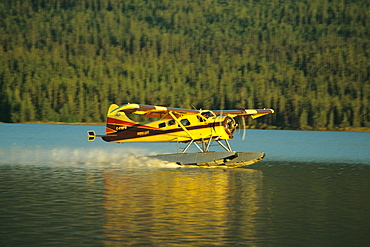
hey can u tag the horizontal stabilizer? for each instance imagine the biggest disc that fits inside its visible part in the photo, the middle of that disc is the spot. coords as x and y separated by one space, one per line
91 135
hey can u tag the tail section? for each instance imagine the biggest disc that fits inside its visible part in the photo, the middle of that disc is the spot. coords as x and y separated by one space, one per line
117 120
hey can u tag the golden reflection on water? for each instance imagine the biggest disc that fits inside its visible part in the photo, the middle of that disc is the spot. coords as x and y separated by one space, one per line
157 207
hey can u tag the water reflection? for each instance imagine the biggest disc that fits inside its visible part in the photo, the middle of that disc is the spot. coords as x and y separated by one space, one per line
180 206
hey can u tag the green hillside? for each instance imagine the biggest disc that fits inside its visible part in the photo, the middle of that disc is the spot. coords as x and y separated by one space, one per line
68 60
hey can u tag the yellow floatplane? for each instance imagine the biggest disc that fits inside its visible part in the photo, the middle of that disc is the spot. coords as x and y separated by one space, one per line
191 126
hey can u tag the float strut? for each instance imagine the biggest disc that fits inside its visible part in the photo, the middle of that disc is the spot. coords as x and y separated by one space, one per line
228 148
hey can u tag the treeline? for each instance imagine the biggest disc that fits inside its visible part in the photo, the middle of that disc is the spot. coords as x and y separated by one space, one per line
68 60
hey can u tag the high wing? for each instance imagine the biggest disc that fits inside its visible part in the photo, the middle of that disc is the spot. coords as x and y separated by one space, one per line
163 111
154 111
254 113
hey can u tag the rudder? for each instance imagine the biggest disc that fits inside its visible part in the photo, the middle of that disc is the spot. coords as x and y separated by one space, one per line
117 120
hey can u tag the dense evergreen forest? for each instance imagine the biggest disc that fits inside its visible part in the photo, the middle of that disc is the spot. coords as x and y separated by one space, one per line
68 60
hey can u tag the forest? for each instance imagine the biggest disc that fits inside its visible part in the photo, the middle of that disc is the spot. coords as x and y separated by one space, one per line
68 60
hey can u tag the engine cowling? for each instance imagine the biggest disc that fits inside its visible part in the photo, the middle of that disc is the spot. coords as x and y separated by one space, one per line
230 126
225 127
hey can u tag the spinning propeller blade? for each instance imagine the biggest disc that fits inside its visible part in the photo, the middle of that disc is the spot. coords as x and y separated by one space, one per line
242 126
244 130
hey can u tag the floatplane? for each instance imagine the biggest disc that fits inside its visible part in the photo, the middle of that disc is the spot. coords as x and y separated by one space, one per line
190 126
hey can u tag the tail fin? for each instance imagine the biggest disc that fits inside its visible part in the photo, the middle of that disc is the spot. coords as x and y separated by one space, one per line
117 120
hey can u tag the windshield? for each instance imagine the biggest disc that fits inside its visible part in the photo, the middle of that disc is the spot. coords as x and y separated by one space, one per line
207 114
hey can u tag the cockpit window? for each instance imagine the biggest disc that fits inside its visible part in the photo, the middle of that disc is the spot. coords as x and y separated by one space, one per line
207 114
161 125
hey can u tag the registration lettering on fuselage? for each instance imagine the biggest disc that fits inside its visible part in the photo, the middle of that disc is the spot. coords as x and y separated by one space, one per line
142 133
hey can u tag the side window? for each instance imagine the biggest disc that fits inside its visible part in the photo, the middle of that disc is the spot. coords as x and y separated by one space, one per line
185 122
161 125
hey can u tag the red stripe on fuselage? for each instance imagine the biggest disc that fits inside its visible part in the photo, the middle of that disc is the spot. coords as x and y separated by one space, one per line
120 122
109 131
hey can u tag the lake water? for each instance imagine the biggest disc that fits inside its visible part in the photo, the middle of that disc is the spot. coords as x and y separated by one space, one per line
58 189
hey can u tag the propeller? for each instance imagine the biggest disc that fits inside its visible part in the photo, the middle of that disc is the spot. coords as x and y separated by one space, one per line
242 127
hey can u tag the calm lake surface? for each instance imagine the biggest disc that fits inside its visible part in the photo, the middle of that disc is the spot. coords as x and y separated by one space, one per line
58 189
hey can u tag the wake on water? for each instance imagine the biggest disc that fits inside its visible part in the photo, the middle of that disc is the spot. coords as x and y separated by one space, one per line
80 156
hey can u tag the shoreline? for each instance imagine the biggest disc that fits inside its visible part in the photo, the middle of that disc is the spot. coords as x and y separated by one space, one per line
346 129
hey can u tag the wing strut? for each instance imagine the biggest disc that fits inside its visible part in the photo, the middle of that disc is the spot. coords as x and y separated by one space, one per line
187 132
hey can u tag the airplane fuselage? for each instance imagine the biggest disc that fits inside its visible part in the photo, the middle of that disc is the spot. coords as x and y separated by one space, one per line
183 129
